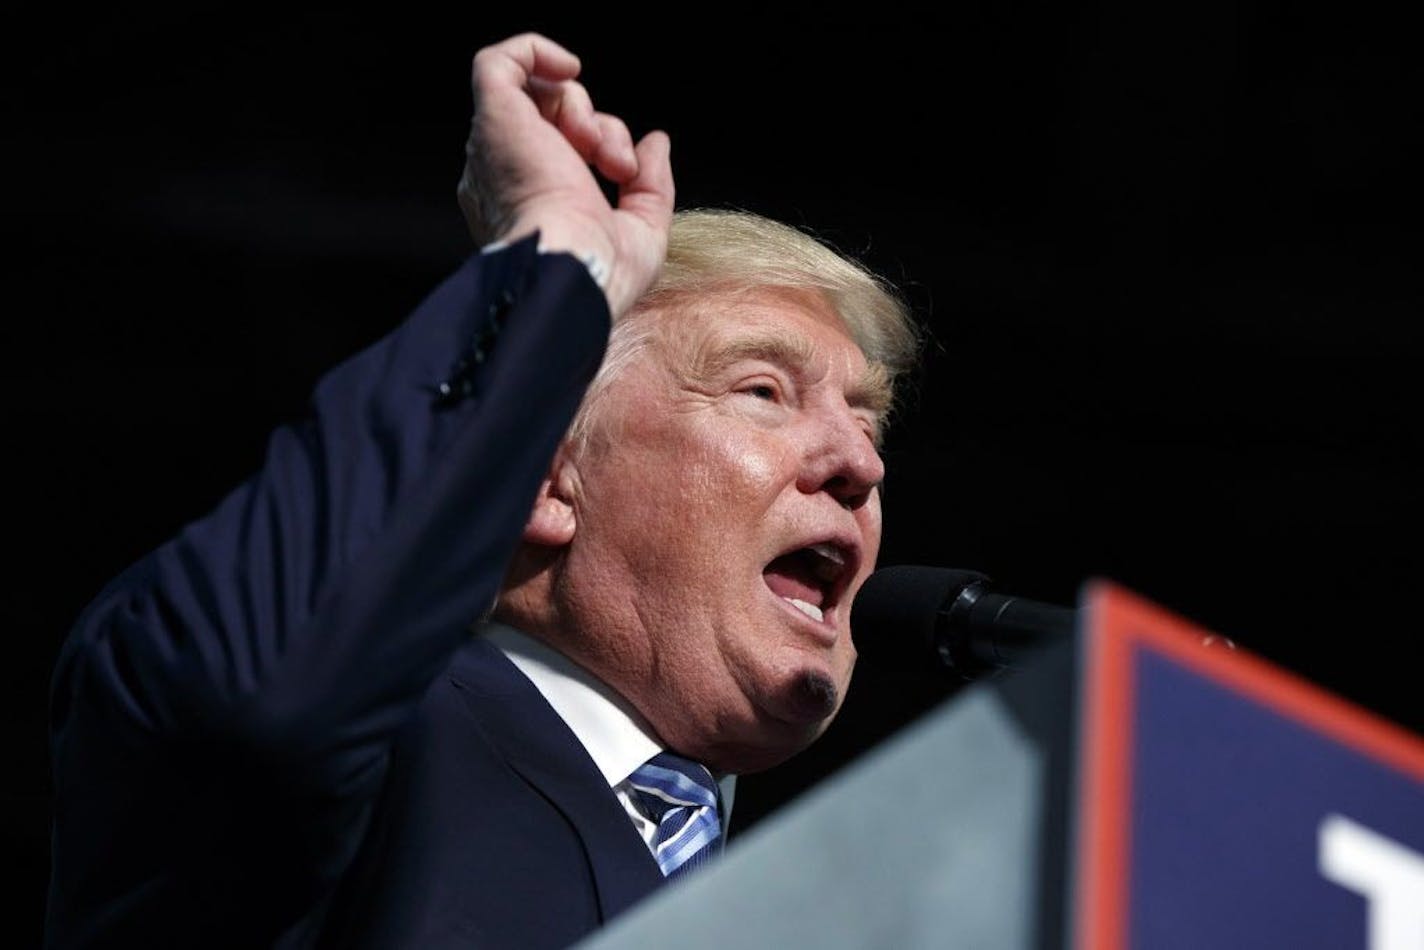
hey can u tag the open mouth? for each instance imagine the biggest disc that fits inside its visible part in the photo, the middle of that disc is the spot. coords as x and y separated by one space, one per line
812 578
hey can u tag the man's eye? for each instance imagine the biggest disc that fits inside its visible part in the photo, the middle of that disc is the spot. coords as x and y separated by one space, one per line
764 391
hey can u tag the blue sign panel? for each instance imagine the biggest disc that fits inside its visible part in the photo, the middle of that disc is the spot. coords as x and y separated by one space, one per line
1252 828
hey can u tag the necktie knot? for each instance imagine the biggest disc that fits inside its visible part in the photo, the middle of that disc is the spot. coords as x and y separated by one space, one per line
681 797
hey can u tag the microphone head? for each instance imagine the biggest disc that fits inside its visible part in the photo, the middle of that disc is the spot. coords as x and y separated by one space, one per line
896 617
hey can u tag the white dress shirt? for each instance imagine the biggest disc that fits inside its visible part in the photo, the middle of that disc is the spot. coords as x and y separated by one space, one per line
615 736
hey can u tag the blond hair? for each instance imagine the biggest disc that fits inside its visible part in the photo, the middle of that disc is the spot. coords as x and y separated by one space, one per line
730 252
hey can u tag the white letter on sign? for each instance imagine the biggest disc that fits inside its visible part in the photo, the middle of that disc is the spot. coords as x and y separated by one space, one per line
1390 876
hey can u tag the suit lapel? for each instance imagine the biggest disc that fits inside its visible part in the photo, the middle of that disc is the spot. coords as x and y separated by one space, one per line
540 747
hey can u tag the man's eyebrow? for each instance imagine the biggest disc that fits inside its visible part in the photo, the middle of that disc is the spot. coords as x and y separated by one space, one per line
871 391
717 356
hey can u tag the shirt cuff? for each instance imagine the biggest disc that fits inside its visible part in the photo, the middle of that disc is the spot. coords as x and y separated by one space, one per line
597 267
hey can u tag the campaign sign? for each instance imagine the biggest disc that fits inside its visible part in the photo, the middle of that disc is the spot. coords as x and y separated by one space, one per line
1226 803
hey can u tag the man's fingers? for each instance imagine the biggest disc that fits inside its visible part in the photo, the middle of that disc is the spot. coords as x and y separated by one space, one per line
535 66
601 140
615 157
567 106
524 57
650 194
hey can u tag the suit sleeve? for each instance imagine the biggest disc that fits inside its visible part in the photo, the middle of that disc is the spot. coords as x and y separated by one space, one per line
236 689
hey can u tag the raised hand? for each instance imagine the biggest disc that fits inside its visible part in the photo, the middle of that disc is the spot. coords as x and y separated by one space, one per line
536 143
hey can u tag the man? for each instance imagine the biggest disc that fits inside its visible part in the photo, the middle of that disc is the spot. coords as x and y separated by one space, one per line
280 728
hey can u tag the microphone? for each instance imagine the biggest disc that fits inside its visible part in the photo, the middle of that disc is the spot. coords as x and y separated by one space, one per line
908 615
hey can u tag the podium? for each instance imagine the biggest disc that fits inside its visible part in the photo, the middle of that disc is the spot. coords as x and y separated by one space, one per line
1143 785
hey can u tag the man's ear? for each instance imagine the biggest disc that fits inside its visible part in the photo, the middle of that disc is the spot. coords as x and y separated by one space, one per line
552 521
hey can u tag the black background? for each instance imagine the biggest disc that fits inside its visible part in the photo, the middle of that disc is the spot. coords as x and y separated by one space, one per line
1169 259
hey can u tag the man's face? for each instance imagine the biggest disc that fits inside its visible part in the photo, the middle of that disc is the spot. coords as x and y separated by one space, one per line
726 512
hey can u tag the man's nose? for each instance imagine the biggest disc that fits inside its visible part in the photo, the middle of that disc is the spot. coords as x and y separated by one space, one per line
842 461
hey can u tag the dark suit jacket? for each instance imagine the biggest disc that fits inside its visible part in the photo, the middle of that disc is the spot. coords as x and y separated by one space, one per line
275 730
495 828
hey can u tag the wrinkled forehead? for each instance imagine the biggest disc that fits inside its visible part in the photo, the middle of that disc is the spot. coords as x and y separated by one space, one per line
803 319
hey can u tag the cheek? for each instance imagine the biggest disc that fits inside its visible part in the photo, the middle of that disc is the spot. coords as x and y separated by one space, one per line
722 469
753 466
871 522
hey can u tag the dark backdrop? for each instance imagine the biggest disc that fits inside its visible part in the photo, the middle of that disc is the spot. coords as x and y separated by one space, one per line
1169 261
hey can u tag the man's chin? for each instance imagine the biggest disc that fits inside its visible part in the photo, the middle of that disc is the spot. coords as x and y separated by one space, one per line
812 699
787 721
803 708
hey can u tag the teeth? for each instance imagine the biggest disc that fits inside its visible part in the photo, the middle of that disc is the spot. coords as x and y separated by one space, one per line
810 610
829 551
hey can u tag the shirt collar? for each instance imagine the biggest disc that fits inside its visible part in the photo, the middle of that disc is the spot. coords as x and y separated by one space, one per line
616 737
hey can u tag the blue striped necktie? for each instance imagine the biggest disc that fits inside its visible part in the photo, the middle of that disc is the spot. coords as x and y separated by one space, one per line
681 797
